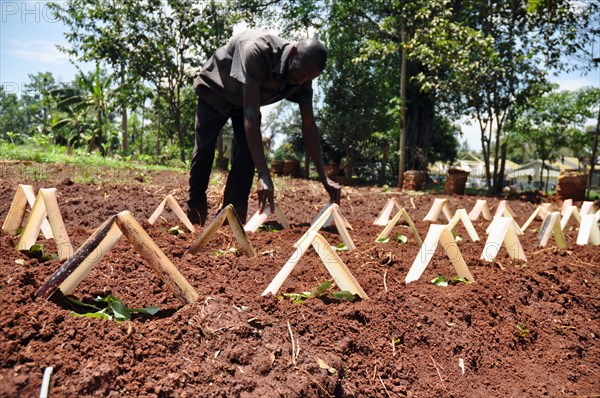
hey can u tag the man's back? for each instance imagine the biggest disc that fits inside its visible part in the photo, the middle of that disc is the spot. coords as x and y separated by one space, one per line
252 57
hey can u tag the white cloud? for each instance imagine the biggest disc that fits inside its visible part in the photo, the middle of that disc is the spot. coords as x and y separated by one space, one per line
40 51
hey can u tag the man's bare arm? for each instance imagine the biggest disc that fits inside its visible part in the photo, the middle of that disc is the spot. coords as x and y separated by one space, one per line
254 139
312 141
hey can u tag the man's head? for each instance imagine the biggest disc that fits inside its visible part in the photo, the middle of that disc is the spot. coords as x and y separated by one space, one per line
307 61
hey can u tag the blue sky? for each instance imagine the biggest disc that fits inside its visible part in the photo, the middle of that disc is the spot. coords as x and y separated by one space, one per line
29 35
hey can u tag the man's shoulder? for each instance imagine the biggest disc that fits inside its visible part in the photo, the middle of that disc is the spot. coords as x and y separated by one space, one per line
261 36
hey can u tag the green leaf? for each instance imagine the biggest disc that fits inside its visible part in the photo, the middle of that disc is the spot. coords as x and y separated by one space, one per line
99 314
341 246
152 310
321 289
401 239
458 279
82 304
383 240
440 281
344 295
119 310
176 230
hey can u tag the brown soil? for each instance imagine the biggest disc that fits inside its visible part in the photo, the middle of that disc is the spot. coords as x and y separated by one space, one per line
405 340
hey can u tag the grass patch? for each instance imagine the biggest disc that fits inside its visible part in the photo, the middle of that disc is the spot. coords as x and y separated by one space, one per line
80 167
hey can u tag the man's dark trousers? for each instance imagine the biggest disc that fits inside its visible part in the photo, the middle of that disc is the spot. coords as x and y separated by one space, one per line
209 123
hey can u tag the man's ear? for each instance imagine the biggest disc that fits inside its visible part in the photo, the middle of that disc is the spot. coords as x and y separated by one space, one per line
294 50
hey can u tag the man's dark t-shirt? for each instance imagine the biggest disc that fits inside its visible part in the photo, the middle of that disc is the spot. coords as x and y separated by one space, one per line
252 57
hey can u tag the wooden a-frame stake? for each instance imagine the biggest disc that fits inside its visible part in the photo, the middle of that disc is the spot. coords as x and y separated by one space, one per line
228 213
565 206
384 215
102 240
503 232
551 226
331 211
505 213
587 207
566 216
335 266
394 221
438 233
538 212
502 208
329 220
16 213
46 204
589 233
439 206
170 200
480 208
461 215
259 218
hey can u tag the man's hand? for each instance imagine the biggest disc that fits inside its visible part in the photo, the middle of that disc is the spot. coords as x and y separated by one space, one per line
197 215
265 193
334 190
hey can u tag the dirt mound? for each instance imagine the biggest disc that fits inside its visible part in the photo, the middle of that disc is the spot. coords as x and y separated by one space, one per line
525 330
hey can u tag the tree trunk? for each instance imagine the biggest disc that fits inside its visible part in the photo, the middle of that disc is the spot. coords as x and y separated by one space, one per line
594 152
125 141
402 118
384 160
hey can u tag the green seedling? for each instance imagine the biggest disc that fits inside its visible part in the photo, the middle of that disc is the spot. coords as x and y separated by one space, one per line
231 250
523 332
457 238
39 251
268 228
341 247
442 281
383 240
114 309
319 291
401 239
176 230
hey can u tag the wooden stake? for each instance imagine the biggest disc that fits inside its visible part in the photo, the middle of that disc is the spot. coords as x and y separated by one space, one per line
589 233
503 232
480 207
340 224
236 227
259 218
170 200
96 251
46 203
571 211
157 260
551 226
334 265
385 213
502 207
586 208
565 206
461 215
239 233
68 276
532 217
439 206
390 226
23 196
438 233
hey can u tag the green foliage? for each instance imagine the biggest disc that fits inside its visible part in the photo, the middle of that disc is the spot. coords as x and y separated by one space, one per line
319 291
523 332
39 251
113 308
442 281
176 230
